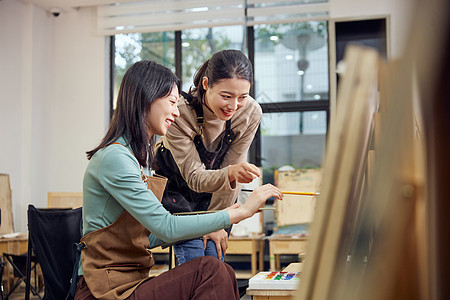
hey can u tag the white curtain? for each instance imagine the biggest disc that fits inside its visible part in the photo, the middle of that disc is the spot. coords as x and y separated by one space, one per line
170 15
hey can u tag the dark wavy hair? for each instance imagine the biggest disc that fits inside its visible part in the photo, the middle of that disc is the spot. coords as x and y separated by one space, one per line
143 83
224 64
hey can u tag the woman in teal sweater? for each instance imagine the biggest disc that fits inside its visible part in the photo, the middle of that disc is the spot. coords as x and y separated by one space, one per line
122 217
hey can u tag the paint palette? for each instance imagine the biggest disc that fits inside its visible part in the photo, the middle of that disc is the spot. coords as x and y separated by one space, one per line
274 281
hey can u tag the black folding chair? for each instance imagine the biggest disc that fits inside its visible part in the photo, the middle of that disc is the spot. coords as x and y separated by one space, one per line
2 266
19 264
51 235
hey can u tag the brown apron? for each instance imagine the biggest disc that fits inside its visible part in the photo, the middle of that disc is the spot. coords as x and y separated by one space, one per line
116 259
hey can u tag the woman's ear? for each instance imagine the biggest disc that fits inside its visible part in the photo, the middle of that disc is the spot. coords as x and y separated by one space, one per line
205 82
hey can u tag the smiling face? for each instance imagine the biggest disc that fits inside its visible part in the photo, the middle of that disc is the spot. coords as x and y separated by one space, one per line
163 112
226 96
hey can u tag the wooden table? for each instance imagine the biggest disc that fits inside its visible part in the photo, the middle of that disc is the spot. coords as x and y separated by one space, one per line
251 245
284 245
14 245
277 294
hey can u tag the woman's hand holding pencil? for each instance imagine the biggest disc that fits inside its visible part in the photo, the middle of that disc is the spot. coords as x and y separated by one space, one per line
253 204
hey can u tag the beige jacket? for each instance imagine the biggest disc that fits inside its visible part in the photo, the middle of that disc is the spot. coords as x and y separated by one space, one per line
179 140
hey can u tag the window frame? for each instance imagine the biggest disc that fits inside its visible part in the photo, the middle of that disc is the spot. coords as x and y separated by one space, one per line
254 155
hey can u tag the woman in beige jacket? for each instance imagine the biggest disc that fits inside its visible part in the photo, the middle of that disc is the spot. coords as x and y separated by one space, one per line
204 152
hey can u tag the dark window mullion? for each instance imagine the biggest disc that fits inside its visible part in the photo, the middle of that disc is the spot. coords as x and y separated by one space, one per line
178 57
251 54
112 67
254 152
300 106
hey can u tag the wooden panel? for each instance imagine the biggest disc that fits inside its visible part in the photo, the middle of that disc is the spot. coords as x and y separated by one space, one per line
65 200
236 246
271 294
288 246
295 209
7 224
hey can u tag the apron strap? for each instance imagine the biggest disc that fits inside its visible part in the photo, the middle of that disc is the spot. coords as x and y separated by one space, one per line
198 109
199 112
76 252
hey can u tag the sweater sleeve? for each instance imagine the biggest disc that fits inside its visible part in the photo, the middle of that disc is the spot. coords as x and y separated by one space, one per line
179 139
119 174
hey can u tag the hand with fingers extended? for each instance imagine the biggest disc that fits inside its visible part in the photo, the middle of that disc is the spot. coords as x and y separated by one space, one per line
243 172
255 201
220 239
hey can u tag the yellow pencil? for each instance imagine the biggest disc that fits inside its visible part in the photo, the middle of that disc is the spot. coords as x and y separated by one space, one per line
300 193
290 193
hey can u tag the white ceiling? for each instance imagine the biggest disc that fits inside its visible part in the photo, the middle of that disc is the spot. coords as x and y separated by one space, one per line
63 5
70 5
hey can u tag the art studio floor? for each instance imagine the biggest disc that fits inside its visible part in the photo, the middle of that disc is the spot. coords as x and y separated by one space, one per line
19 294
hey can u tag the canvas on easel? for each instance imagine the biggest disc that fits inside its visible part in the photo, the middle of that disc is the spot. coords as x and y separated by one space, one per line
343 172
382 242
297 209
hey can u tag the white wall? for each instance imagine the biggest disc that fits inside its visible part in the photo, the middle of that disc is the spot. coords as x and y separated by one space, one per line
53 99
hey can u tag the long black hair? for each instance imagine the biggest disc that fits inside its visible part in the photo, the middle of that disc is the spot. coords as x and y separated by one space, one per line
224 64
143 83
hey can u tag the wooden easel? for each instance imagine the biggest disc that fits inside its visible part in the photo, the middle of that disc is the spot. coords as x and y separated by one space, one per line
344 167
375 235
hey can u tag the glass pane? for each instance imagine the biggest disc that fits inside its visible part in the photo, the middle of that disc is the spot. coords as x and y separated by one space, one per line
200 44
291 65
296 139
133 47
291 62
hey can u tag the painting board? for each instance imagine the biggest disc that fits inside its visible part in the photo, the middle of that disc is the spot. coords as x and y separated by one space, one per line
64 199
7 224
297 209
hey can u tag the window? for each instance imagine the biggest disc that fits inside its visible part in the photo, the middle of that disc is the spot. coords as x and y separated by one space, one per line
291 80
291 84
133 47
200 44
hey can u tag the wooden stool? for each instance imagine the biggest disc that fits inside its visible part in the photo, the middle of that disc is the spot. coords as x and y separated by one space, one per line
251 245
284 245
